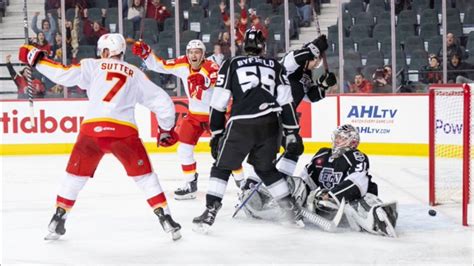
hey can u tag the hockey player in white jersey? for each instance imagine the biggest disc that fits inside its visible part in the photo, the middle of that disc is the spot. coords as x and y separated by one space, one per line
198 75
114 87
334 175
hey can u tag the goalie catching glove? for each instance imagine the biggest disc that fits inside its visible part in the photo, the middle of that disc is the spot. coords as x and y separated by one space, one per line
30 55
141 49
166 138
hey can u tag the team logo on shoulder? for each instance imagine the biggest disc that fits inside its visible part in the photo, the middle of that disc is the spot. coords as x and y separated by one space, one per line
359 156
328 178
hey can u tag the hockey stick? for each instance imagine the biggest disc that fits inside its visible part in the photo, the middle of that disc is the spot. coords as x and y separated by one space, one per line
142 22
28 69
318 30
239 207
323 223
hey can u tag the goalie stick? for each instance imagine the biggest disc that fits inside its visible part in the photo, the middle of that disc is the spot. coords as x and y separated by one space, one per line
28 69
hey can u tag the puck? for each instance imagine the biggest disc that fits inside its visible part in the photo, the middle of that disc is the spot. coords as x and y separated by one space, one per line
432 212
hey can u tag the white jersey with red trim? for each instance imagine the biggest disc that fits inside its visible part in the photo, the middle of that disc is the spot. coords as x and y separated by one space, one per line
113 87
199 99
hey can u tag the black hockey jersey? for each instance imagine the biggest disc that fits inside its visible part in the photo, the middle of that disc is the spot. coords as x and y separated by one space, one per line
300 78
344 176
258 86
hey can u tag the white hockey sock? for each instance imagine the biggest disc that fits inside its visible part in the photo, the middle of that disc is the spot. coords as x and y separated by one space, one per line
154 193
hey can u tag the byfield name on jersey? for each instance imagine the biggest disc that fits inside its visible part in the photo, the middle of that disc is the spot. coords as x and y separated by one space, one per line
117 67
251 60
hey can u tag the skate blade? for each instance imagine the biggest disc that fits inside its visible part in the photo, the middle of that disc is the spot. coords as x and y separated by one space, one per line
176 235
202 228
189 196
52 236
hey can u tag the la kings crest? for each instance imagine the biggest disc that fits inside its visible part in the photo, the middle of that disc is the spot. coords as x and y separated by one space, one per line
328 178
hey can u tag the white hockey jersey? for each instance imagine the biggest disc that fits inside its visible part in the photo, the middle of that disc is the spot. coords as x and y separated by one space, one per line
114 87
198 100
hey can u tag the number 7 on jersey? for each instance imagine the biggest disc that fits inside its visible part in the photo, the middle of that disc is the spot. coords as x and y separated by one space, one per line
117 86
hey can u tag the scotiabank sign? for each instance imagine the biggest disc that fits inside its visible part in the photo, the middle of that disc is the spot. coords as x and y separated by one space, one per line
58 121
181 105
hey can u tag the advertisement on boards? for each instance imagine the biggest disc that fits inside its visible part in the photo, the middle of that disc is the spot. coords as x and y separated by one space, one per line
393 119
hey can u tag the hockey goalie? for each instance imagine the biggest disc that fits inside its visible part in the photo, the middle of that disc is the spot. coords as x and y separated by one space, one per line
336 182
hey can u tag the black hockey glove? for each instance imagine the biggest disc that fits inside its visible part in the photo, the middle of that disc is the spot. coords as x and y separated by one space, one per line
214 143
293 142
318 46
327 80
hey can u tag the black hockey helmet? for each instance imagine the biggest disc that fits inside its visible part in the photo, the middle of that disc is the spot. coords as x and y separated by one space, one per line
254 42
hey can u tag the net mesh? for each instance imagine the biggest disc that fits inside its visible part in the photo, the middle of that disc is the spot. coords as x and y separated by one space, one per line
448 145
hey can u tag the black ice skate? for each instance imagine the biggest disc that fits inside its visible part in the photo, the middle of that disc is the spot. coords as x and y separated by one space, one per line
56 226
204 222
188 191
168 224
291 212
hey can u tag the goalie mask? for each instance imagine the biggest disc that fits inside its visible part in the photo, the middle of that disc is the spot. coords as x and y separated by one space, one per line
254 42
195 52
114 42
344 138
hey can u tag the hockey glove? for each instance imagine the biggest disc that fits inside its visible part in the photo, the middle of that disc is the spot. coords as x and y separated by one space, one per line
293 142
214 143
166 138
327 80
141 49
318 46
198 81
30 55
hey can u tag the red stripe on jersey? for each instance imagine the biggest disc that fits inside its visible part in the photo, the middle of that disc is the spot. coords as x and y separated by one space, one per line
157 201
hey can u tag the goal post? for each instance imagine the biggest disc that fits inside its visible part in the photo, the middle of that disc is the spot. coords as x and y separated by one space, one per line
450 146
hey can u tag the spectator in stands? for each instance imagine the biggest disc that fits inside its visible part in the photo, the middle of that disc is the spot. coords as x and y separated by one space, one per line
21 81
48 26
457 68
135 13
453 47
360 85
241 25
224 42
158 12
217 57
303 7
42 43
257 24
317 6
432 73
225 15
382 79
92 29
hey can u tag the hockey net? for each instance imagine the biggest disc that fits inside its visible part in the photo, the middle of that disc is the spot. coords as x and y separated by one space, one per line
450 147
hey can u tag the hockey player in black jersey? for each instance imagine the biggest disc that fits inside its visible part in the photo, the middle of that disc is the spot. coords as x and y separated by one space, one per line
299 65
334 174
261 97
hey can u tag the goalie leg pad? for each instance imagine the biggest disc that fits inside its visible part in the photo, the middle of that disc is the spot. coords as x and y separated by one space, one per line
372 215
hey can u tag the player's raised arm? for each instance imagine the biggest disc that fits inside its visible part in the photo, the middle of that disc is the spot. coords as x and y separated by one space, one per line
64 75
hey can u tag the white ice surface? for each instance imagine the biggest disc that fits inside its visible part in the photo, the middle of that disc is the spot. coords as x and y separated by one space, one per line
111 222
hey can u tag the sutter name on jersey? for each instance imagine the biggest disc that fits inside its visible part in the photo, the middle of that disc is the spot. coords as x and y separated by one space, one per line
117 66
251 60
